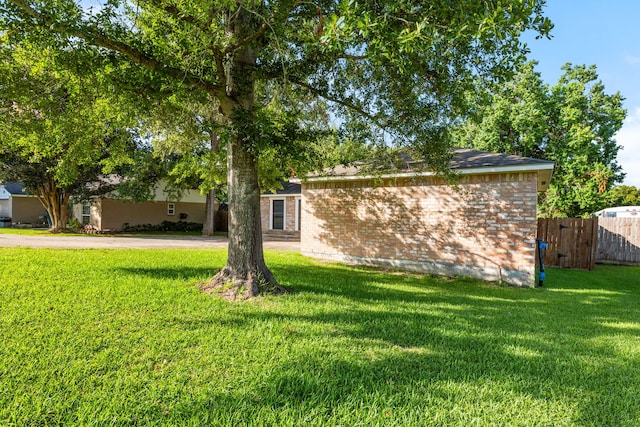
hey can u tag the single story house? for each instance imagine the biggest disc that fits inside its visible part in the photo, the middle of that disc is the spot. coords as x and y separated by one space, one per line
411 219
109 214
280 211
19 207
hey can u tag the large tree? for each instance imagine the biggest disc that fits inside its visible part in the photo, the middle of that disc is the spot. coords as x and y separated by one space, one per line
623 195
59 132
400 67
572 123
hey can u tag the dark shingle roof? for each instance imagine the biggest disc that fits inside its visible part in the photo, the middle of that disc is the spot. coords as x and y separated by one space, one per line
16 188
288 188
466 158
463 159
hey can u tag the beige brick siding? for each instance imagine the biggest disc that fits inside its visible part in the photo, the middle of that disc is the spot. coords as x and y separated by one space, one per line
290 215
485 228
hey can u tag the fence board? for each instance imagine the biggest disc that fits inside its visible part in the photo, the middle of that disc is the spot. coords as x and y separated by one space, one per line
571 242
619 241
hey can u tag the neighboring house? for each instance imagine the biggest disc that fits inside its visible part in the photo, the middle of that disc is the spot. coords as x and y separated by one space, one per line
19 207
109 214
280 211
413 220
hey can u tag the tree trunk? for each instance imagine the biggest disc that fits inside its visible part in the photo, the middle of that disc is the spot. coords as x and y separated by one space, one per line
56 203
209 226
245 275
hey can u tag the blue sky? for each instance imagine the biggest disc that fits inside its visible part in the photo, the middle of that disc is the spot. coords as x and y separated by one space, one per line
607 34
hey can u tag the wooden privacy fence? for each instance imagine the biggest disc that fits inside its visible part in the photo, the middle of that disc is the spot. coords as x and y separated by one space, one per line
571 242
619 241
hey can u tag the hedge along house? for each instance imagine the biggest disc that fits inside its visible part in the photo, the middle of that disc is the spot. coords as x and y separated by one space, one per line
281 211
485 227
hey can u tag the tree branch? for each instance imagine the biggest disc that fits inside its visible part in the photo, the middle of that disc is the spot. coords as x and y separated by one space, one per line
261 30
350 105
175 12
98 38
219 58
352 57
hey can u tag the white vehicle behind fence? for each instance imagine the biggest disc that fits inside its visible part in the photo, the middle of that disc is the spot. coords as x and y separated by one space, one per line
619 212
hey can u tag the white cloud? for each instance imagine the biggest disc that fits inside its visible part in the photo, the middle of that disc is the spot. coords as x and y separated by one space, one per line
629 156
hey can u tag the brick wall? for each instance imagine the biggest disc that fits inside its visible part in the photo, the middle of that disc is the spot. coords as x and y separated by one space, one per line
485 228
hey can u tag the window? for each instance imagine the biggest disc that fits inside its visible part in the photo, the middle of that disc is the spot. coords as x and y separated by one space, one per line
86 212
277 215
298 213
171 209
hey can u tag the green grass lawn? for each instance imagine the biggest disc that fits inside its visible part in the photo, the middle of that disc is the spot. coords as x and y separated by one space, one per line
123 337
27 231
45 232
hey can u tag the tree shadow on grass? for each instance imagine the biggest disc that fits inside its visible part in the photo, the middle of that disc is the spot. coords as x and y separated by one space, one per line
394 348
465 377
185 274
371 284
418 336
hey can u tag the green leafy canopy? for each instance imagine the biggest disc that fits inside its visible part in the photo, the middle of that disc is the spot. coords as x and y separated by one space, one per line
403 67
572 123
61 132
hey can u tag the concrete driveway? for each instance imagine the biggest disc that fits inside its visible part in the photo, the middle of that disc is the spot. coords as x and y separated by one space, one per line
129 242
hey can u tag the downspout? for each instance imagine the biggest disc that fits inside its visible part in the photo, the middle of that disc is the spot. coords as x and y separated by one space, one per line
540 246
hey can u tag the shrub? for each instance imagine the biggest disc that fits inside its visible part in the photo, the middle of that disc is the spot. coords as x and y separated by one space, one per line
73 224
164 226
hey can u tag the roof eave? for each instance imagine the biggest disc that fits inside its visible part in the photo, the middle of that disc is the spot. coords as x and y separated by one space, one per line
468 171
